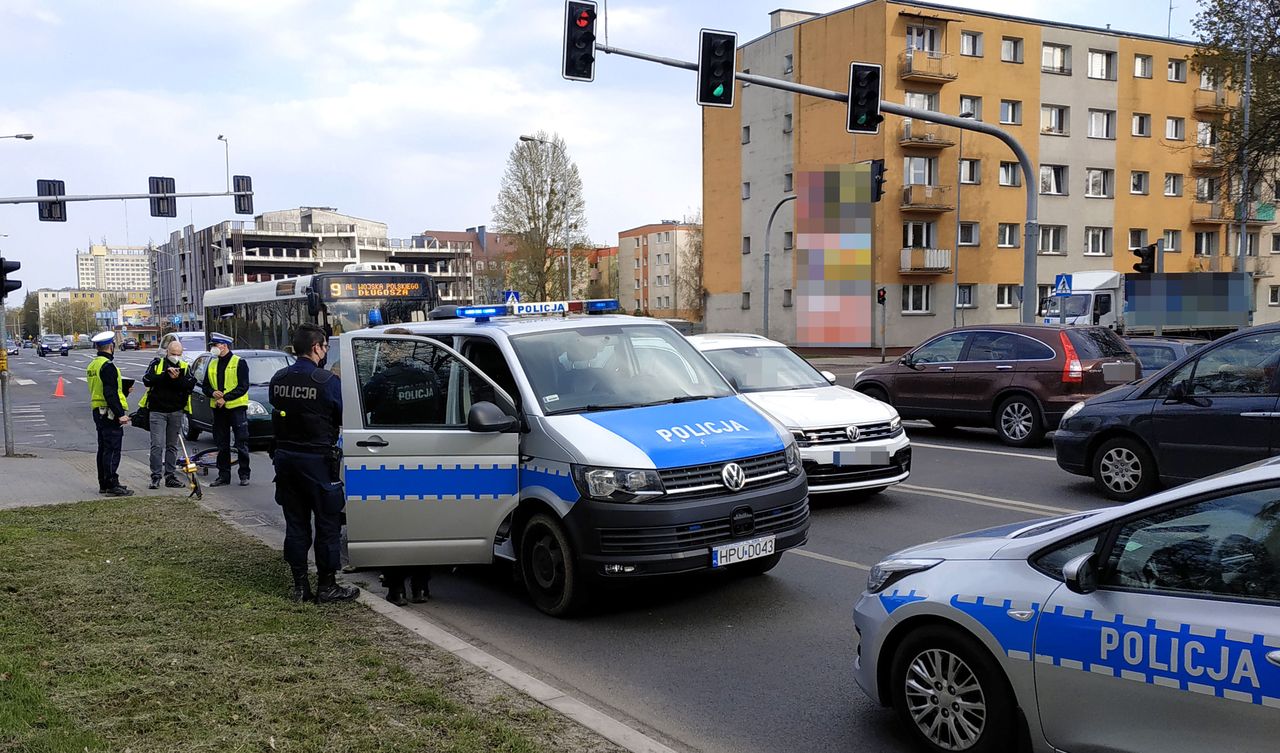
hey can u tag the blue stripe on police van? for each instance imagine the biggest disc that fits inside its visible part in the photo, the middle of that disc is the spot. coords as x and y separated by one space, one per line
439 481
555 480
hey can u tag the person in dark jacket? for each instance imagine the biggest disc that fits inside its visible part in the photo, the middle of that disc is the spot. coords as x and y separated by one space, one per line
226 384
108 396
168 398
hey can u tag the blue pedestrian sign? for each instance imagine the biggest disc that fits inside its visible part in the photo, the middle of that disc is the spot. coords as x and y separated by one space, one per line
1062 286
510 297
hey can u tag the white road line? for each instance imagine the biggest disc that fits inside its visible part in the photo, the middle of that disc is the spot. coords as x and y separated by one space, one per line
86 379
832 560
24 382
986 501
1027 455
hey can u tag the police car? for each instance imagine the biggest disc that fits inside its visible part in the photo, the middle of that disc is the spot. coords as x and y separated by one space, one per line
580 446
849 441
1149 627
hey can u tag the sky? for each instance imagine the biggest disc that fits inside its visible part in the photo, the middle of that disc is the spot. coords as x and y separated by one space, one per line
402 111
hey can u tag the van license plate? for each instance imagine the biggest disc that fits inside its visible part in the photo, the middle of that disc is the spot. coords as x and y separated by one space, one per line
728 554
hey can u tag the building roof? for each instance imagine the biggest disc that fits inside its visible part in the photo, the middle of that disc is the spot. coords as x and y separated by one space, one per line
642 229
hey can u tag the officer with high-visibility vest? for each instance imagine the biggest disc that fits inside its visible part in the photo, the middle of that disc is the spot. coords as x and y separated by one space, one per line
168 399
226 384
109 400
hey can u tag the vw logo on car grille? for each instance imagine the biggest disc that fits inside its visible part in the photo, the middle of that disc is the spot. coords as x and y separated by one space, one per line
733 477
852 433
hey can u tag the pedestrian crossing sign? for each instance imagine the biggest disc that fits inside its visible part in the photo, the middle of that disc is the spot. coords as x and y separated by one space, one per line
511 297
1062 286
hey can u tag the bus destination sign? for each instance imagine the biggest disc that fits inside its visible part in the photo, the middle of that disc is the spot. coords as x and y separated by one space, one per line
393 288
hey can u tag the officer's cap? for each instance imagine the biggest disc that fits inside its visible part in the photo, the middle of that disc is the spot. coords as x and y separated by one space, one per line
218 338
104 337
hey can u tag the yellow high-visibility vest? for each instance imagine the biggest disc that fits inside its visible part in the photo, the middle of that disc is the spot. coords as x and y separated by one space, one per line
160 367
233 367
97 399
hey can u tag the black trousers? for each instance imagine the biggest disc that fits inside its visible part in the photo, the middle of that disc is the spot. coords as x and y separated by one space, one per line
110 438
307 490
226 423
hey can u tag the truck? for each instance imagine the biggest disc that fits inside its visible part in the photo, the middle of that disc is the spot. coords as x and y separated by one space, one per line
1204 304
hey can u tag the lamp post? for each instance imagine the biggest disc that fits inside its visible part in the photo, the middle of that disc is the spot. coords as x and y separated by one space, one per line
955 264
5 405
23 136
564 202
226 153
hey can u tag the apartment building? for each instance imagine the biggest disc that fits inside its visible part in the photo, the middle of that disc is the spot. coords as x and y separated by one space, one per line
105 267
1122 129
658 272
94 301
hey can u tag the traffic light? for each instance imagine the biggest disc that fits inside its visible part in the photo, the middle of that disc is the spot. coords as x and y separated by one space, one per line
244 201
8 286
877 180
52 211
717 64
1146 259
163 207
579 41
880 296
864 98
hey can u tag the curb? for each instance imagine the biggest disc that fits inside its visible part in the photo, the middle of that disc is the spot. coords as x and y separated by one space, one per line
602 724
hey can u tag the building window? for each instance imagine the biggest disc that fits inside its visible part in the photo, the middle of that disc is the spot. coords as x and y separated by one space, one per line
922 101
746 299
970 171
786 298
1098 183
1053 239
1173 241
637 260
1175 128
1275 243
786 123
1142 66
1206 134
1097 241
920 171
746 190
969 234
1056 58
637 284
970 103
1137 238
1010 112
917 299
971 44
1207 243
1010 174
964 296
786 64
1005 298
788 240
1139 182
787 183
922 38
1053 119
1102 65
1011 49
1273 299
1053 180
1007 235
1207 189
746 134
1251 241
917 234
1208 79
1102 124
746 244
1141 124
1177 70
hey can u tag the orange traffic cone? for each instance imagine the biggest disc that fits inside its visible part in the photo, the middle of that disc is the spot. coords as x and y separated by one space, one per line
59 390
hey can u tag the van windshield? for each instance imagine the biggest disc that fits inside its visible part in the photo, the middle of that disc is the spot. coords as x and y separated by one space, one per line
608 368
1076 305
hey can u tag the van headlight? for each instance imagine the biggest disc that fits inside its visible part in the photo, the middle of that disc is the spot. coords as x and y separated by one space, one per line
795 465
617 484
255 408
1072 411
895 423
890 570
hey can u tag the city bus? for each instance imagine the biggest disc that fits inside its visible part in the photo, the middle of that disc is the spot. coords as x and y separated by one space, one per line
264 315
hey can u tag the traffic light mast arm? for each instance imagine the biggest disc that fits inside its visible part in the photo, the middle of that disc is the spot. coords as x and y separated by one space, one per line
1030 180
111 197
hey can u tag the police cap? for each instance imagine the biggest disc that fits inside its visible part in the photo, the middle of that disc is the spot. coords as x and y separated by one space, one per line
104 337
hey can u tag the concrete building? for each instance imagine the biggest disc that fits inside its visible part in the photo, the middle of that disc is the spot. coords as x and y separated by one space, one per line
94 300
657 272
602 272
105 267
1120 126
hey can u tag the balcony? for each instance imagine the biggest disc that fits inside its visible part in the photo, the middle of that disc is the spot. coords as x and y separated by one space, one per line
1209 213
920 198
925 261
1206 158
925 135
927 66
1212 101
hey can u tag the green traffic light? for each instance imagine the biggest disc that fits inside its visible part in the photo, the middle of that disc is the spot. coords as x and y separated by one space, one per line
718 91
862 119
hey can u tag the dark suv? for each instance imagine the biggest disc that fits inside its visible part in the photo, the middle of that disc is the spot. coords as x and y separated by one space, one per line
1018 378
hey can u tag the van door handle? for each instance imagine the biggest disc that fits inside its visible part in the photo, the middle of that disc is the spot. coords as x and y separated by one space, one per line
373 442
1004 367
946 368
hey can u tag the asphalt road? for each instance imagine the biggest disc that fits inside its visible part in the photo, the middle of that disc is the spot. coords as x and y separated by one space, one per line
713 663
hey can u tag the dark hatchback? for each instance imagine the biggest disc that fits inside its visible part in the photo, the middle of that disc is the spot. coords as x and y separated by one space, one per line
1018 378
263 364
1211 411
1155 353
50 344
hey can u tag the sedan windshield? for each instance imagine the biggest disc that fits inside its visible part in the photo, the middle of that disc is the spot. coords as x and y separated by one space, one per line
262 368
765 369
606 368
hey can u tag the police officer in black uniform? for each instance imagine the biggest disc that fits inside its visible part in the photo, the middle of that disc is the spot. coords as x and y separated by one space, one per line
307 416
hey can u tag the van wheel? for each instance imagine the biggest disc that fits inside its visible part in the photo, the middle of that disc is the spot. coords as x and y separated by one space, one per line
876 394
1018 422
1124 470
549 568
758 566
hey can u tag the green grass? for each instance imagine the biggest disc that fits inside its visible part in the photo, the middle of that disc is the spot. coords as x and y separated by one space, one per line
149 625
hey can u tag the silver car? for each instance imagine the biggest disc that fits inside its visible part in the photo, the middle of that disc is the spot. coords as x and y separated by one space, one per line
1154 626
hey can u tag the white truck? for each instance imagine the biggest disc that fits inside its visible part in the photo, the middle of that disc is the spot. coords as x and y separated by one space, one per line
1202 303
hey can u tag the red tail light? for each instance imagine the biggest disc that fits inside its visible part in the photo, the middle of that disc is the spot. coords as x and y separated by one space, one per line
1072 369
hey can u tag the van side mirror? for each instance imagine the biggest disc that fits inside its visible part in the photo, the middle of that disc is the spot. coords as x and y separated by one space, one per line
487 418
1080 575
313 303
827 375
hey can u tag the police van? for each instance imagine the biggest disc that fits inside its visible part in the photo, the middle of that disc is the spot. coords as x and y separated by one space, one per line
578 444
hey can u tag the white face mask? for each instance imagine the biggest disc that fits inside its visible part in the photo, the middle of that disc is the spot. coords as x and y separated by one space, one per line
216 351
173 360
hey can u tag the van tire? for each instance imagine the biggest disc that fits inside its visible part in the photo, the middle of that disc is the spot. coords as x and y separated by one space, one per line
549 567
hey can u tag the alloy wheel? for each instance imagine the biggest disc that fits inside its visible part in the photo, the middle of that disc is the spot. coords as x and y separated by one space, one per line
945 699
1121 470
1016 421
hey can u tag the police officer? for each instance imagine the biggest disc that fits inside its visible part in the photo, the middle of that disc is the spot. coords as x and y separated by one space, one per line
226 384
306 416
110 403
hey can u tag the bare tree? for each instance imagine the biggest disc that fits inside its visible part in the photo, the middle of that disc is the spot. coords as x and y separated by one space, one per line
691 294
56 318
540 189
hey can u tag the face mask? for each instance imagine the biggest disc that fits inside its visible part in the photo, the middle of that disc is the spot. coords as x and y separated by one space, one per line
216 351
324 359
173 360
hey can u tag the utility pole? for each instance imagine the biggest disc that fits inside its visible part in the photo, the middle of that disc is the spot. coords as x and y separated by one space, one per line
4 386
1242 208
768 231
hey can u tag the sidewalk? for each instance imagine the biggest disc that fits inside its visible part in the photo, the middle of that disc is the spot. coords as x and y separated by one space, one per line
46 476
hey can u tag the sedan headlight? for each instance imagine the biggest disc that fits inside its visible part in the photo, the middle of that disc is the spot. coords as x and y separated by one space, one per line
1072 411
795 465
256 408
889 571
617 484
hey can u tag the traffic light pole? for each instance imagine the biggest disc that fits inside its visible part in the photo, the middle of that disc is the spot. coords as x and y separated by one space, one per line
768 232
115 197
1031 234
4 387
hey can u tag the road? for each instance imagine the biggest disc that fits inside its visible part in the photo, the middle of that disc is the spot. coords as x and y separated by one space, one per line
712 663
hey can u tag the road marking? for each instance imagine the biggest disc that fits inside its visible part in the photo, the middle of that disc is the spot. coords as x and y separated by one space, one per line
984 452
984 500
83 379
832 560
24 382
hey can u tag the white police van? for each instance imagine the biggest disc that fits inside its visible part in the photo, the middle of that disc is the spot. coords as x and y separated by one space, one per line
580 445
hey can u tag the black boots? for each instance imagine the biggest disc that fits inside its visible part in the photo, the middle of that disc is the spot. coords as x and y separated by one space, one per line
395 588
420 586
301 585
328 589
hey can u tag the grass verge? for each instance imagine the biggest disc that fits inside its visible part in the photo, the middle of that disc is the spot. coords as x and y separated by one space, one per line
148 624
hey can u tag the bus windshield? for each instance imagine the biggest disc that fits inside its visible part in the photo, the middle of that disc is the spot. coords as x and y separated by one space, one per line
348 315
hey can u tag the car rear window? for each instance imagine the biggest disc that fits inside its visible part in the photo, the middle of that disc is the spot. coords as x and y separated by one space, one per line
1098 342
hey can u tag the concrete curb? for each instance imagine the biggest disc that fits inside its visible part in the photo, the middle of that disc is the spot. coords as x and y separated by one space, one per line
602 724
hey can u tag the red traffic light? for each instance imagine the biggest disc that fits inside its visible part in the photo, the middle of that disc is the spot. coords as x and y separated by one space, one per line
584 19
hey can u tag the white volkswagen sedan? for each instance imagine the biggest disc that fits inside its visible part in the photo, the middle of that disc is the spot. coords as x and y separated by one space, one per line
849 442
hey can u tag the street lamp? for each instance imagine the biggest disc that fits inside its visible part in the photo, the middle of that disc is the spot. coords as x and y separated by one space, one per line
226 149
564 197
23 136
955 265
